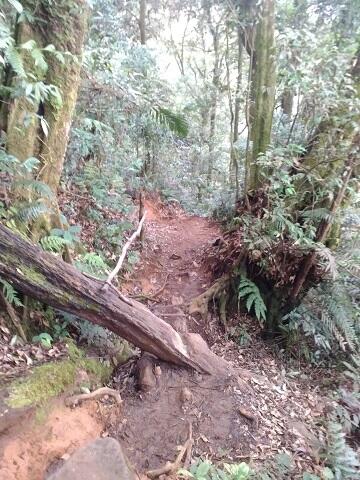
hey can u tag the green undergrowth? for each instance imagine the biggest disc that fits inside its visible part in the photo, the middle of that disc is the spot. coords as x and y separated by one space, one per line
53 378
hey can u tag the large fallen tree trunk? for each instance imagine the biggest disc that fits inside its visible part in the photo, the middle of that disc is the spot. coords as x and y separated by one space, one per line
47 278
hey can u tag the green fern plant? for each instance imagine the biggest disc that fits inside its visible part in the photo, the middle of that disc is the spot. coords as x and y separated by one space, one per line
340 457
174 121
30 211
53 243
248 290
353 369
93 264
10 293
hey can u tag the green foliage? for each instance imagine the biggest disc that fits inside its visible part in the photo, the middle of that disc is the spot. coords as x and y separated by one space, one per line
353 369
249 290
44 338
10 293
328 315
99 337
205 470
340 457
93 264
52 379
175 122
278 468
52 243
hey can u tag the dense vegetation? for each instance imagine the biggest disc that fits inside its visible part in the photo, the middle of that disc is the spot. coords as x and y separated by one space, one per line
240 110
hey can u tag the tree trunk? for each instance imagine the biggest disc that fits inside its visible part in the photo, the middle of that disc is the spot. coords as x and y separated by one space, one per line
43 276
142 16
262 95
234 157
215 33
23 142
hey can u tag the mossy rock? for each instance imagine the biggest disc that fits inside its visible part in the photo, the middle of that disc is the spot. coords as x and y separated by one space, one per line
54 378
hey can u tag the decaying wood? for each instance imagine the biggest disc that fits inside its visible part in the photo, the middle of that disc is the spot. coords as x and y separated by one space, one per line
123 254
171 468
47 278
146 373
100 392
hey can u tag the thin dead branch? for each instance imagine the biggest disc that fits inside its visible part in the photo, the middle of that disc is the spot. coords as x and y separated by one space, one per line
123 254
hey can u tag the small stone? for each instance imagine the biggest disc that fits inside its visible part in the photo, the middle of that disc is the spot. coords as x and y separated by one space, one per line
157 371
186 395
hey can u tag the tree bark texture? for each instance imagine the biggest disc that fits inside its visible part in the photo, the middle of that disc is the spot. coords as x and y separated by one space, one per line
43 276
64 26
262 94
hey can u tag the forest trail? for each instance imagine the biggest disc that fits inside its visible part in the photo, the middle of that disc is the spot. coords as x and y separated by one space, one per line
254 414
171 271
251 415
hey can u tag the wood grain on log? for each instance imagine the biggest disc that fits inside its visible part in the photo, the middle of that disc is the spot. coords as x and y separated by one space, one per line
47 278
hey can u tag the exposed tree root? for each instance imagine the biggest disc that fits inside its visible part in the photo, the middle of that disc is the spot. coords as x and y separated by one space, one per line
153 296
171 468
76 399
218 289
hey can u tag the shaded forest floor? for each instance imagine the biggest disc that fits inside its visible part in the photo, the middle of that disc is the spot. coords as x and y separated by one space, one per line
271 410
268 408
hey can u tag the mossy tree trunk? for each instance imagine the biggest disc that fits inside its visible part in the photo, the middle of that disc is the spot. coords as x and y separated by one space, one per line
62 24
262 91
235 119
214 29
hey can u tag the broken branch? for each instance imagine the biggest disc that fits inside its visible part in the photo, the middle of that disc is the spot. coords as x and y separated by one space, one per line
123 254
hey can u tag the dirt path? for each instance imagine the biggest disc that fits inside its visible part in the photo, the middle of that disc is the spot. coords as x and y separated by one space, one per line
172 263
246 417
265 413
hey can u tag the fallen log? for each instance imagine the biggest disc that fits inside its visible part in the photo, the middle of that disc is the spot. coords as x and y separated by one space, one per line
47 278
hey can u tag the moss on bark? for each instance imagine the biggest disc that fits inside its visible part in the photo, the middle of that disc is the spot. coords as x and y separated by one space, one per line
262 95
62 24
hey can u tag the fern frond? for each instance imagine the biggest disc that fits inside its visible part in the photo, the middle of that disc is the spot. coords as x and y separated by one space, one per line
39 59
10 293
52 243
353 370
13 57
31 211
174 121
249 289
340 457
93 264
317 214
40 188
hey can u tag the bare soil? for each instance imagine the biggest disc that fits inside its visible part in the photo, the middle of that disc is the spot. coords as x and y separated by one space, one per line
257 413
30 449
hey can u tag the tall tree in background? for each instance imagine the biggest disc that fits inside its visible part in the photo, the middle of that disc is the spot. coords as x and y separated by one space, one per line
142 22
261 48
